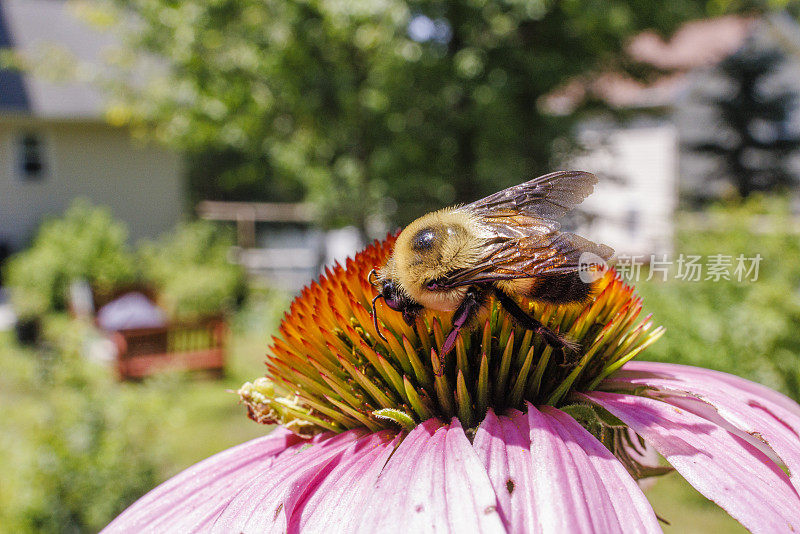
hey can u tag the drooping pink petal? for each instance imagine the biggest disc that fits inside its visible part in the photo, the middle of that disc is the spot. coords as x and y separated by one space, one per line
266 503
707 411
686 371
746 410
633 510
503 445
552 476
724 468
191 500
334 504
646 456
434 482
578 486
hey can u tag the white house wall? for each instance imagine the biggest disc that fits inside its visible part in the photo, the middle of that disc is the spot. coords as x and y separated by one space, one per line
142 184
632 206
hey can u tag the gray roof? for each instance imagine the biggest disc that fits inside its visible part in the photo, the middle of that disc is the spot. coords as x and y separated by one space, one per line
32 27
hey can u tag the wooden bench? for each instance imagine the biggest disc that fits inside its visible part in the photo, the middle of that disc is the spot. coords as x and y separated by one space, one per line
188 347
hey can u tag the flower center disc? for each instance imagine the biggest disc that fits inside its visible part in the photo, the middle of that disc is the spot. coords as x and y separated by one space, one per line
329 369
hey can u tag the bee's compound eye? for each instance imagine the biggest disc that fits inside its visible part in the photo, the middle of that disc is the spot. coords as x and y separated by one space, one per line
388 288
424 239
390 297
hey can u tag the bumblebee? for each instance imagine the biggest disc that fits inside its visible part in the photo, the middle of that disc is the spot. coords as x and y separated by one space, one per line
508 244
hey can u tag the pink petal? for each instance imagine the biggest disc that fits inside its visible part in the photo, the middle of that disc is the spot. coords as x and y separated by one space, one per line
578 486
503 445
433 482
634 512
645 455
266 503
724 468
705 410
569 483
334 503
685 371
191 500
746 410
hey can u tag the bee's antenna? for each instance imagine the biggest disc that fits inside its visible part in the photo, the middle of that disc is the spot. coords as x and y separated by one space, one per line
375 315
372 281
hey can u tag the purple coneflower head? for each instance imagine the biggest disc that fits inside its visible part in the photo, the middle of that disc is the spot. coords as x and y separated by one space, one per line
509 436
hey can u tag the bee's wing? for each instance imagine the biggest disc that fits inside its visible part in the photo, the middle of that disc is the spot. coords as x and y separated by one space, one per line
526 247
549 196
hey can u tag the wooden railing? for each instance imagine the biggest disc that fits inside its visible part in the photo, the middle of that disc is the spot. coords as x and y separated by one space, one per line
247 214
188 347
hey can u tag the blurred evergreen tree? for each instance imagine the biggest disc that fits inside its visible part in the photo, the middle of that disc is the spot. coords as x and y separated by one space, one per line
389 107
755 143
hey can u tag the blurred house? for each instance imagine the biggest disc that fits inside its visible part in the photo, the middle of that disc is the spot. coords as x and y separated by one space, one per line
632 206
55 145
645 161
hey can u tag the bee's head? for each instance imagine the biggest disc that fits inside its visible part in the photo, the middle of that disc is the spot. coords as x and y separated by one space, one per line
428 250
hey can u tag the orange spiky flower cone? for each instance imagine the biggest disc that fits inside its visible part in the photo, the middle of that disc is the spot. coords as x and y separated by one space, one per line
328 369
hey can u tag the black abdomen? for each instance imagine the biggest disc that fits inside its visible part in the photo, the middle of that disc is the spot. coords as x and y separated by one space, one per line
561 289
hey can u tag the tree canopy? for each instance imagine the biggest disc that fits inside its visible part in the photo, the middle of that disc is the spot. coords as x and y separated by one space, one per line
370 107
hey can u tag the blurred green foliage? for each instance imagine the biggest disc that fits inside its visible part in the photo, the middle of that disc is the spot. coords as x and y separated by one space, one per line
78 446
426 102
231 175
75 449
191 271
85 243
188 268
751 329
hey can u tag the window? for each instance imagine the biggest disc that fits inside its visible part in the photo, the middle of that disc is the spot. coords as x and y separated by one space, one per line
31 157
632 222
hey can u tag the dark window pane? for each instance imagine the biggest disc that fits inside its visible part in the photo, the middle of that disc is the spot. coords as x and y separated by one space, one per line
30 157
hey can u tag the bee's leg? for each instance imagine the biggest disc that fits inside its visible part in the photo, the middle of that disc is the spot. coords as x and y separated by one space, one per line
554 340
472 302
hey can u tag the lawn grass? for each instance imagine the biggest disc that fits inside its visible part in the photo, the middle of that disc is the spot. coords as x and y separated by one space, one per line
687 511
207 417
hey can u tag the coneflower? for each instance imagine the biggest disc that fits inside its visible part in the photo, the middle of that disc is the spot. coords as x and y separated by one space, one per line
508 436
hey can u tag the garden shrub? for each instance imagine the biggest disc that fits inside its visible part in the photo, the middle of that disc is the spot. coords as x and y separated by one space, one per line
77 448
188 268
191 271
85 243
749 328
